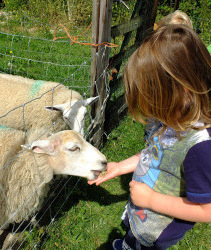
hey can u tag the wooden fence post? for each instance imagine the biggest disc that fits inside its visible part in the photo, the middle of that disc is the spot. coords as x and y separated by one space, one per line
141 21
101 32
176 4
147 10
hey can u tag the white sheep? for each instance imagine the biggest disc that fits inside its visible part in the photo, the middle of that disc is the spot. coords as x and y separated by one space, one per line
14 139
18 111
24 178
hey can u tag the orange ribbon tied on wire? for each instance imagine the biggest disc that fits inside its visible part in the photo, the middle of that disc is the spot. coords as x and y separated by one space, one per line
74 38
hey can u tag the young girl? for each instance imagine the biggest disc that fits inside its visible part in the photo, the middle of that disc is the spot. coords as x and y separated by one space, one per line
168 83
177 17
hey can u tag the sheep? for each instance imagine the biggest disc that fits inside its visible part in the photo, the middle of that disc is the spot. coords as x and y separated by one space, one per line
18 111
12 147
25 178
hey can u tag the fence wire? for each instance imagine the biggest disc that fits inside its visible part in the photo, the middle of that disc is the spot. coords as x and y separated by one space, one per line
31 52
40 58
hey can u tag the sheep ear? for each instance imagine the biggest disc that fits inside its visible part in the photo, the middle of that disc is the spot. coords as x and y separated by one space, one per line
41 147
63 107
59 107
90 100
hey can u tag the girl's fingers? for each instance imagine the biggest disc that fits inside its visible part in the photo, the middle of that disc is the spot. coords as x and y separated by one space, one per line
131 184
97 181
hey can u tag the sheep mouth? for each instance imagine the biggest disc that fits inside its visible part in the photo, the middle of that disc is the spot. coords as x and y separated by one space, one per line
96 173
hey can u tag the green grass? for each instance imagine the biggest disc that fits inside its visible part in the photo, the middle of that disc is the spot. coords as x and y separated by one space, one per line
22 53
92 214
90 217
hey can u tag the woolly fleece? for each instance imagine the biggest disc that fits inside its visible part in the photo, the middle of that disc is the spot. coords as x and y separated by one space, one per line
16 93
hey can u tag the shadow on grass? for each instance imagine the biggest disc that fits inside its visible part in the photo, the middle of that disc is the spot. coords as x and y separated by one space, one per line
83 192
114 234
75 191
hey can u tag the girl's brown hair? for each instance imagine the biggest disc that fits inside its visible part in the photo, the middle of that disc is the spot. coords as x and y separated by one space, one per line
168 78
177 17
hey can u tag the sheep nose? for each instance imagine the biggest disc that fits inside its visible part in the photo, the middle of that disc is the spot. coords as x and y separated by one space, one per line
104 163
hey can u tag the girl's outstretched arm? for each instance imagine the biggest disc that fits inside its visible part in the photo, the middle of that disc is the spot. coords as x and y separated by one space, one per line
115 169
177 207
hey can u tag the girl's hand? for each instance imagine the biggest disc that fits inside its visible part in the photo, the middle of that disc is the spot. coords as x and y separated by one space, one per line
113 170
141 194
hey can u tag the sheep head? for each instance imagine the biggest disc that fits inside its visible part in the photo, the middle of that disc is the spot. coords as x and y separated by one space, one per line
74 112
69 153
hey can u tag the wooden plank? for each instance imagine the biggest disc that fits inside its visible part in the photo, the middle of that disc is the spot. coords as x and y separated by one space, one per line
146 10
176 5
154 13
101 32
122 55
95 24
121 29
129 34
118 84
115 111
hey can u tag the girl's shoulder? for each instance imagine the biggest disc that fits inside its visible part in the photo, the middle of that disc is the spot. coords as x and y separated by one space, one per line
209 131
197 171
200 153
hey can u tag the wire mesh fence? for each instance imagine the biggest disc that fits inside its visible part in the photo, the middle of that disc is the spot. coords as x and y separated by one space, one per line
27 49
37 57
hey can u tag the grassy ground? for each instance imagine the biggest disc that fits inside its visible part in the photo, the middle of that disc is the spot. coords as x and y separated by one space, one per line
90 217
29 50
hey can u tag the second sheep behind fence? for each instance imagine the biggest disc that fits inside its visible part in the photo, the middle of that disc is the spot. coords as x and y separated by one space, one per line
28 104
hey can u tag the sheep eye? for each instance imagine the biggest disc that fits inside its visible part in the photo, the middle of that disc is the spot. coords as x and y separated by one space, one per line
74 148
